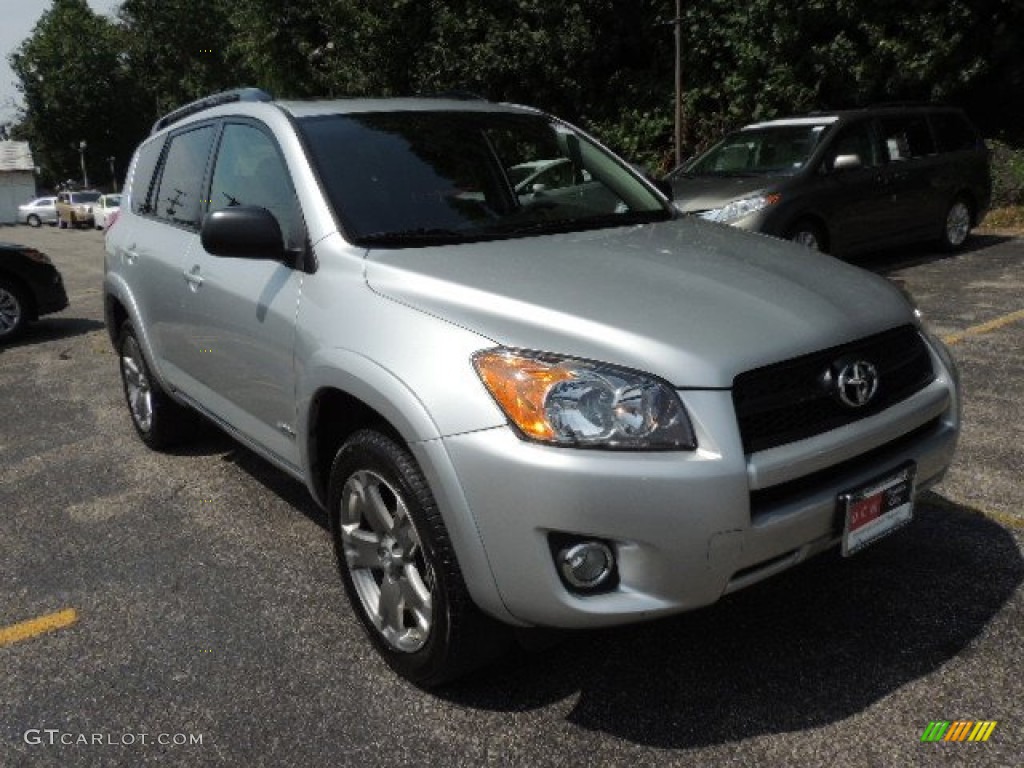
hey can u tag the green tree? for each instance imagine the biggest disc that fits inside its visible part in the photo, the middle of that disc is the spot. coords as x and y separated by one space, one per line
75 88
180 50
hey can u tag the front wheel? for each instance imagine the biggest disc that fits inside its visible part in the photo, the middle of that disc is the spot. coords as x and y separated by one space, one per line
13 311
957 225
159 420
34 221
399 568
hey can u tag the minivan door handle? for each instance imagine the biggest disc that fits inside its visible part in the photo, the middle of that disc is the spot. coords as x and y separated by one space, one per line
193 278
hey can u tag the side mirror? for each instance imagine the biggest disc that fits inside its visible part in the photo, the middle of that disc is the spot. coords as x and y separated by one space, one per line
846 163
245 231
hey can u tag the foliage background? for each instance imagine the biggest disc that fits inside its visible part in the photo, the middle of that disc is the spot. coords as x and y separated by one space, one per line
605 64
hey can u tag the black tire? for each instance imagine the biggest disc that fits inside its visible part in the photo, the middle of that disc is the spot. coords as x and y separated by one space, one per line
61 224
160 421
435 632
956 227
808 234
34 221
14 310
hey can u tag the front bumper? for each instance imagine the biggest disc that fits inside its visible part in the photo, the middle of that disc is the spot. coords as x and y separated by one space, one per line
686 528
50 295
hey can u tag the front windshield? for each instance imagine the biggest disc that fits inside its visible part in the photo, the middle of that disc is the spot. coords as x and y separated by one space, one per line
766 150
85 197
409 178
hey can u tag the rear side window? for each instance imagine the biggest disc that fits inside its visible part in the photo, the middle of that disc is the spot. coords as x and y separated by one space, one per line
907 137
953 133
142 180
178 195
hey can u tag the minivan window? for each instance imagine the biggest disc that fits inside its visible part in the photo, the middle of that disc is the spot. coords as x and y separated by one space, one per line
401 179
178 195
907 137
857 139
769 150
952 132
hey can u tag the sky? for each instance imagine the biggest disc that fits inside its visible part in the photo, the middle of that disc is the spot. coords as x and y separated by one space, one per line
17 19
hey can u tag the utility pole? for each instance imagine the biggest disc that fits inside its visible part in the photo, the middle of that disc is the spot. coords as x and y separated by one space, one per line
678 22
85 176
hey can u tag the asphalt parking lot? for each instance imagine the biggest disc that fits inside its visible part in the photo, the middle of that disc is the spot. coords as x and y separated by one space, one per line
190 612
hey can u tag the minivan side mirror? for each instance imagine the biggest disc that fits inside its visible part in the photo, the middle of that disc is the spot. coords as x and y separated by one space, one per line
245 231
846 162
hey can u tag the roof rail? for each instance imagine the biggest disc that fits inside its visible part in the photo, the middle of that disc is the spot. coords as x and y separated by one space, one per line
897 104
214 100
455 95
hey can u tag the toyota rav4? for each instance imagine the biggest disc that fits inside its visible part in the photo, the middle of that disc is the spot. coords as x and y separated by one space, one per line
560 407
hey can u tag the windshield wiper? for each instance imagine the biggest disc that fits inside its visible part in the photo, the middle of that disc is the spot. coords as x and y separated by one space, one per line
581 224
411 236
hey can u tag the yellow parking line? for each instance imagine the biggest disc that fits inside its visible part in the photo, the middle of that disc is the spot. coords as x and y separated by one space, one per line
34 627
991 325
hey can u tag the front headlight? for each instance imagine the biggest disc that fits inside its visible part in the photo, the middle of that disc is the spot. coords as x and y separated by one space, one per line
570 402
737 209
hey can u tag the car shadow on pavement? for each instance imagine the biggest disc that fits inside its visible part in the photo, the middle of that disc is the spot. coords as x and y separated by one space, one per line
904 257
53 329
812 647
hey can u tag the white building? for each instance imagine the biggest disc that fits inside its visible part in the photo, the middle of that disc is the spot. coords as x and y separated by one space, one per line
17 178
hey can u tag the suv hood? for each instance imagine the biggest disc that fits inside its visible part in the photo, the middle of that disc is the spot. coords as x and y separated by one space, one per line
702 193
693 302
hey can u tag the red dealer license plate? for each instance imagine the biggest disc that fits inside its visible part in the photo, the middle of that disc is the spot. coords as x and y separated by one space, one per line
877 508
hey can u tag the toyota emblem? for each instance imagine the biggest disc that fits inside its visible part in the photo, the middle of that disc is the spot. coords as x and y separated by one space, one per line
856 383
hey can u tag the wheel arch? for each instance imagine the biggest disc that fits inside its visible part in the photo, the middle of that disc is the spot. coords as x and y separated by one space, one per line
348 392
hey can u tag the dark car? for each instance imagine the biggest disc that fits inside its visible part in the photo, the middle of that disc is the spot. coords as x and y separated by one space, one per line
30 287
846 182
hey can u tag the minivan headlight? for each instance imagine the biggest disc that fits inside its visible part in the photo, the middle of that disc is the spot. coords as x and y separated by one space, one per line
737 209
582 404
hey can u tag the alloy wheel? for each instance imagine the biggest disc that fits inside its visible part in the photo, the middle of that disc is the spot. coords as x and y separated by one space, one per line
384 556
136 384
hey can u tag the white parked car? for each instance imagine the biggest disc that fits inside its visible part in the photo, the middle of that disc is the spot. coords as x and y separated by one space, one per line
104 209
39 211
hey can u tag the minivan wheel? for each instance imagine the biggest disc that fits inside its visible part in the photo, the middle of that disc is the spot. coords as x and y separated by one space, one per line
807 234
159 420
13 311
957 226
398 566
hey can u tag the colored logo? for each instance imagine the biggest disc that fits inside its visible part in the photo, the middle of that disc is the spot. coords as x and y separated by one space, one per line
958 730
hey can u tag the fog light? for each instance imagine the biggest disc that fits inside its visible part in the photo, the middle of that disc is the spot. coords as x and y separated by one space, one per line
586 565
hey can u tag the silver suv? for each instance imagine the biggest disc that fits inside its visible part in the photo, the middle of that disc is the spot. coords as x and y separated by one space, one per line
548 407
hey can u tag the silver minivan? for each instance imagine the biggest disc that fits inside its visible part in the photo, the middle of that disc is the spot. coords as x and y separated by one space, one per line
561 406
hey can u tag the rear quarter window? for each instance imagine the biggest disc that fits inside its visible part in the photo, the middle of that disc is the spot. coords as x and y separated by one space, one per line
142 180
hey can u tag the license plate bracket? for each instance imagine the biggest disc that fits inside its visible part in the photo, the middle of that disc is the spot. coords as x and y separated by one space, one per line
877 508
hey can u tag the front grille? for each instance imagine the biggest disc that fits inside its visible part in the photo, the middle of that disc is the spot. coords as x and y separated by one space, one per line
789 401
